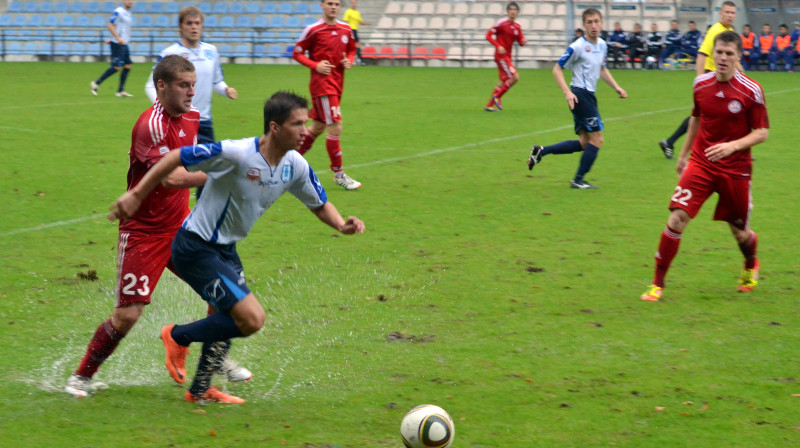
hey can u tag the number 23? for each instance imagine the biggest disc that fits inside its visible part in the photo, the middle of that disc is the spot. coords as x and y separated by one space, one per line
129 290
682 196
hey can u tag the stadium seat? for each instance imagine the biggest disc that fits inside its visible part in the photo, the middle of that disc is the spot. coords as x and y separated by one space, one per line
528 9
94 49
478 9
242 51
5 20
51 20
455 53
470 23
420 53
141 49
144 21
289 51
545 9
259 51
236 8
83 21
472 54
172 8
285 8
18 20
61 7
225 50
139 7
309 21
276 22
495 10
488 22
78 48
260 22
93 7
410 8
14 48
67 21
444 9
274 51
220 8
205 7
30 7
211 22
427 8
460 9
385 23
386 52
243 21
402 53
293 22
419 23
227 22
302 8
46 7
15 6
453 23
252 7
61 49
315 8
394 8
438 53
108 7
34 20
164 21
402 23
77 7
155 7
369 53
269 8
45 49
436 23
29 48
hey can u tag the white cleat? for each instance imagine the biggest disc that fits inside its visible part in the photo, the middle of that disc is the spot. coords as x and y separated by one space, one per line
94 87
233 371
81 386
347 182
124 94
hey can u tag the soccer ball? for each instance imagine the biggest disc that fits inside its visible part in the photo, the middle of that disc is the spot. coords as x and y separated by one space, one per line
427 426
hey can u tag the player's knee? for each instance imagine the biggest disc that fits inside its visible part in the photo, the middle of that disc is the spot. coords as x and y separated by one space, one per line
678 220
252 322
335 128
125 318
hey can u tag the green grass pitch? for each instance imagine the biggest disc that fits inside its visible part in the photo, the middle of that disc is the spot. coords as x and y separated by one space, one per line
515 297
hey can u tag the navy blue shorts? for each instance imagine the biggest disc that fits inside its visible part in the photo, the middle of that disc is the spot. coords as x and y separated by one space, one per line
213 270
120 55
205 133
586 115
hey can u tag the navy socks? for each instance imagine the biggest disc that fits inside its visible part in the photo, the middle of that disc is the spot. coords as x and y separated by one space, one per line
587 160
565 147
215 327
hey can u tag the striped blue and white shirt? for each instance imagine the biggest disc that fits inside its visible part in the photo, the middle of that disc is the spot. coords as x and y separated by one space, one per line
585 59
122 20
241 186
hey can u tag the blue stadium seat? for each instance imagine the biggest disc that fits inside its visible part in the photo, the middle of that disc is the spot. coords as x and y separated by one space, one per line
139 7
72 34
289 51
274 51
29 48
93 7
226 22
45 48
67 21
34 20
19 20
259 51
205 7
293 22
316 9
243 22
99 21
220 8
78 48
302 8
51 20
30 7
225 50
285 36
237 8
61 7
83 21
15 6
5 20
163 21
260 22
276 22
46 7
242 50
172 8
77 7
285 8
108 7
144 21
62 49
211 21
252 7
142 49
309 20
269 8
155 7
14 48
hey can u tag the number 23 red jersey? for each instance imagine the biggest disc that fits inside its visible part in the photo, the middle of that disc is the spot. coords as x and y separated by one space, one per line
728 111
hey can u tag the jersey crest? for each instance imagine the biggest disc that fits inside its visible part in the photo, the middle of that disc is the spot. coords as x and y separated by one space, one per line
287 173
254 174
735 107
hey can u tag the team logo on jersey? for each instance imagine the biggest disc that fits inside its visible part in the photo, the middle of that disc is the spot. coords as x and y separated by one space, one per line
591 122
186 56
298 49
214 290
254 174
163 150
181 133
209 54
287 172
587 49
720 94
735 107
345 39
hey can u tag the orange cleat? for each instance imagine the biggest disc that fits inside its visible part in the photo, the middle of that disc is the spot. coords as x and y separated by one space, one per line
213 395
176 355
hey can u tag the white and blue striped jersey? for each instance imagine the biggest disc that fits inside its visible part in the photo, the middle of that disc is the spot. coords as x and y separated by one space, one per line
209 75
241 186
122 20
585 59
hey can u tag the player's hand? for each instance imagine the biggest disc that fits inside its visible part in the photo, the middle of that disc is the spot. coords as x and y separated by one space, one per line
523 42
324 67
346 62
352 226
622 93
720 151
122 41
232 93
681 165
572 100
124 207
501 49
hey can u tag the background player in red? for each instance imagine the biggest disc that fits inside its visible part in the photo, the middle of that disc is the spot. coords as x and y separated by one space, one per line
502 35
728 118
146 238
331 48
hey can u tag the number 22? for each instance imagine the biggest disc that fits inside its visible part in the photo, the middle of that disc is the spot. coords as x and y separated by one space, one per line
682 196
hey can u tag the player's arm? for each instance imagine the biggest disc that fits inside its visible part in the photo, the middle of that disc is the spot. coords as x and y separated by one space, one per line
558 74
686 149
127 204
722 150
150 89
700 63
180 177
219 85
330 216
609 79
113 30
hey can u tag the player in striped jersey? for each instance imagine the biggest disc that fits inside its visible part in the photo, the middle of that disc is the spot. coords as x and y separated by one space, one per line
728 118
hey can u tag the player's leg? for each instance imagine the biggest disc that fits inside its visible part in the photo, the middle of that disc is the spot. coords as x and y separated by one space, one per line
589 125
508 77
317 126
564 147
331 115
115 66
734 207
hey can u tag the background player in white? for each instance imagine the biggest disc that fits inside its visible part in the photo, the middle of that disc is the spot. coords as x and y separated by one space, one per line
245 177
587 59
119 24
210 77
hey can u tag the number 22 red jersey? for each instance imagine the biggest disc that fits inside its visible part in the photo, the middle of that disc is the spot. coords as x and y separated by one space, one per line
153 136
329 43
728 111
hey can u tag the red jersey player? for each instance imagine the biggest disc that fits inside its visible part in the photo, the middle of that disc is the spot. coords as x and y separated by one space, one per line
331 48
502 35
146 238
728 118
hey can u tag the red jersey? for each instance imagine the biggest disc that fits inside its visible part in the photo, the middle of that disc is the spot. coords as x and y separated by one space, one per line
325 43
153 136
728 111
503 34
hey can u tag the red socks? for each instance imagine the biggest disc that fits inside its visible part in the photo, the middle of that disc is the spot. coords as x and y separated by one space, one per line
102 345
667 249
308 140
334 152
500 90
748 249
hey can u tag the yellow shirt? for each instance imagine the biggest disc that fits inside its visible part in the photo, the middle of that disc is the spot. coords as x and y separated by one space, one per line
353 18
707 48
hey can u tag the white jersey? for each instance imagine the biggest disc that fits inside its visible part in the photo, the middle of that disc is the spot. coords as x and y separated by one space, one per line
122 20
241 186
209 75
585 59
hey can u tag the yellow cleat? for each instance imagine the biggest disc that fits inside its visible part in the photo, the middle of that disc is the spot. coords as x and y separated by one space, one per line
749 279
653 294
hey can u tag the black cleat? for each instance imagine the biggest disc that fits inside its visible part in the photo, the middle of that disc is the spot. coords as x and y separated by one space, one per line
666 148
535 157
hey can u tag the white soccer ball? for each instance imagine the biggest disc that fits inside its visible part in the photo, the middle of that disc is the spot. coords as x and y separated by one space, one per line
427 426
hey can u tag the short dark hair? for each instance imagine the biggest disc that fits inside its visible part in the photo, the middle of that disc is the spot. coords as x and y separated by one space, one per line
729 37
512 5
692 22
591 12
279 107
169 66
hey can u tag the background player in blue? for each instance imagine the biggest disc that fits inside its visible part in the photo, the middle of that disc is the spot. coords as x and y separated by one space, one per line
119 24
245 177
587 59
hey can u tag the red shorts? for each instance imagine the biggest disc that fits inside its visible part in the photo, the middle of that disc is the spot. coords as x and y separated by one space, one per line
696 185
141 260
326 108
505 67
